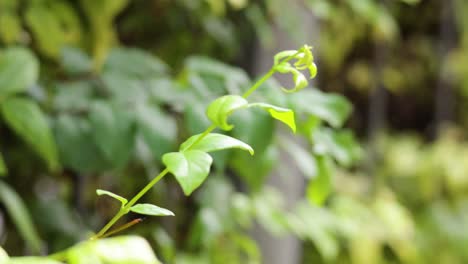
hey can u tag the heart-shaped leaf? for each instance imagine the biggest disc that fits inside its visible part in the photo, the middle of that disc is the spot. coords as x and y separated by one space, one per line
284 115
122 249
190 168
113 195
214 142
150 209
219 110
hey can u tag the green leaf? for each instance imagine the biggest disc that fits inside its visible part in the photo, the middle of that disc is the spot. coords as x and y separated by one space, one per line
332 108
46 29
32 260
150 209
284 115
10 27
312 70
27 120
116 250
300 81
320 187
53 26
134 63
3 256
260 22
255 127
73 96
340 145
195 119
124 89
233 79
304 160
219 110
190 168
113 131
255 170
3 168
19 69
113 195
319 226
158 129
215 142
77 151
74 61
283 55
20 217
305 58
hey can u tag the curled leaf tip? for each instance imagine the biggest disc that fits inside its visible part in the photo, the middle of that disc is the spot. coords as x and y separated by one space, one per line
312 70
304 60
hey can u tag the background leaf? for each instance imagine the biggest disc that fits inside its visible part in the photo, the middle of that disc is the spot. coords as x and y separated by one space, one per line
32 260
157 128
341 145
113 131
3 167
28 121
332 108
77 151
19 69
20 217
52 27
75 61
10 27
304 160
320 187
134 63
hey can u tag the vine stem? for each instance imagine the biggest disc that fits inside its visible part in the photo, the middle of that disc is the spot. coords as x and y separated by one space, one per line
126 208
259 82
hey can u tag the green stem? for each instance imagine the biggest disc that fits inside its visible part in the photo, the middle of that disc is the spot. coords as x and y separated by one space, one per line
204 134
123 227
267 76
259 82
125 209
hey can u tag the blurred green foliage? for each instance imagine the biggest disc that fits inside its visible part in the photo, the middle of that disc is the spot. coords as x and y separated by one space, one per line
113 85
100 114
